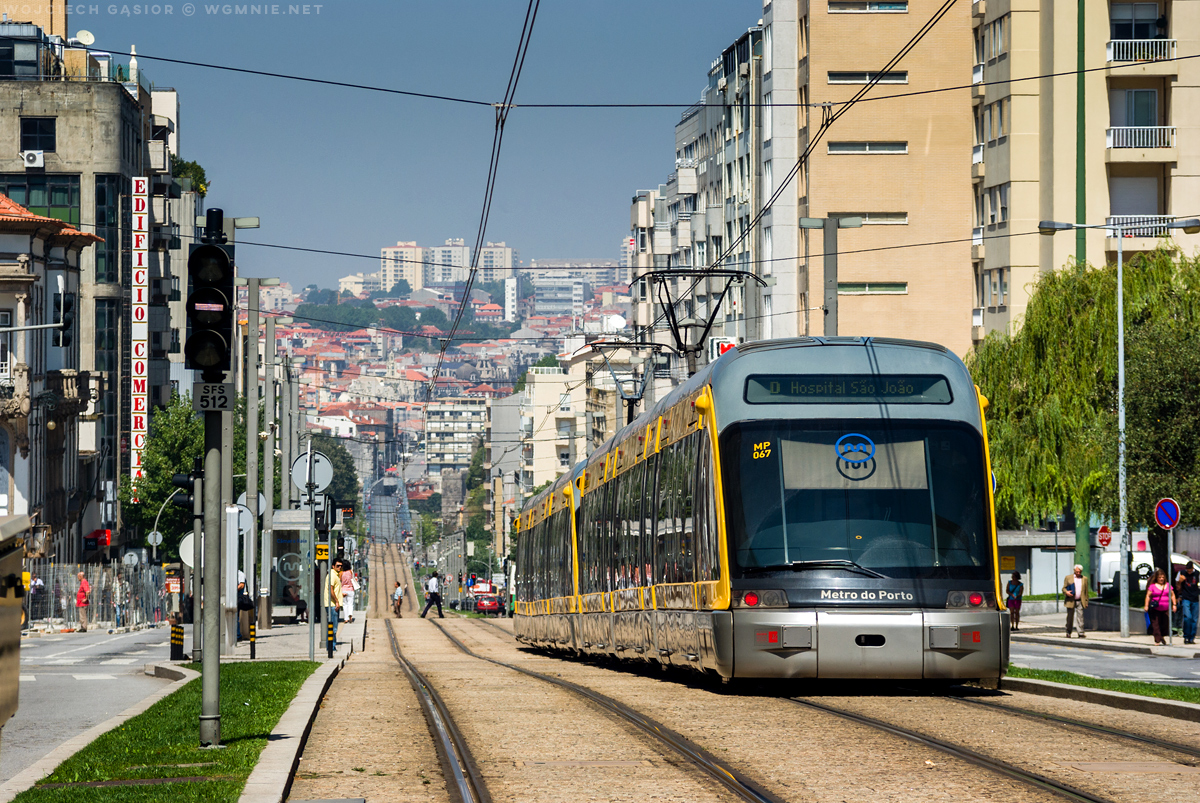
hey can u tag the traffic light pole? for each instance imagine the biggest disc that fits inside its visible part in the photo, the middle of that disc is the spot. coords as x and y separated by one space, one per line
210 689
250 548
268 476
197 560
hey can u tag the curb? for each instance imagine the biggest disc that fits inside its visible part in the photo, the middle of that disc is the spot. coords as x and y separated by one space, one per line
271 778
27 777
1110 646
1113 699
1083 644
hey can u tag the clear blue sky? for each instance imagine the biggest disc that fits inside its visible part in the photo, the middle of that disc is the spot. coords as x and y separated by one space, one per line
351 170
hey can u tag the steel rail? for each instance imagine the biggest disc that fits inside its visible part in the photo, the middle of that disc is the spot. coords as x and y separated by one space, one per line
735 782
962 753
452 746
1077 723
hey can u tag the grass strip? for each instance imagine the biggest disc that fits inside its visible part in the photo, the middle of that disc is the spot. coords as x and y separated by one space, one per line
163 740
1184 694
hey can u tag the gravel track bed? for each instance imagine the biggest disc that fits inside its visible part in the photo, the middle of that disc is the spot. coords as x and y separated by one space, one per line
1172 730
370 739
531 740
799 754
1042 747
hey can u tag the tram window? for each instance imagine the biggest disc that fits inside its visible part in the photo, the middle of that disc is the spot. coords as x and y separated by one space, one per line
650 549
685 513
906 501
633 525
706 518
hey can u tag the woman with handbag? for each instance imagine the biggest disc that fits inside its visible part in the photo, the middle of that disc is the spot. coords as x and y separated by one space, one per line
349 586
1160 598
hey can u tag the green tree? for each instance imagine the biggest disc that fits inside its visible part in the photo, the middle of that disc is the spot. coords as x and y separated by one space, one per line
1052 387
427 530
181 168
401 289
175 440
428 507
344 487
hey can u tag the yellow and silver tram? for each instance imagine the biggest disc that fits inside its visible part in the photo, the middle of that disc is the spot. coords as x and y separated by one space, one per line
805 508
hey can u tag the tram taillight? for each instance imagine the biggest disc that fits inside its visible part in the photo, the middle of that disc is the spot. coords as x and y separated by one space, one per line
751 599
976 599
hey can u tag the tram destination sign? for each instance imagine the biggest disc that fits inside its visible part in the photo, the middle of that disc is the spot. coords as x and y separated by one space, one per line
847 389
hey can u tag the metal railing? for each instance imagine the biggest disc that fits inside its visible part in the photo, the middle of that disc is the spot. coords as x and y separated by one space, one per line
1140 225
119 595
1141 136
1140 49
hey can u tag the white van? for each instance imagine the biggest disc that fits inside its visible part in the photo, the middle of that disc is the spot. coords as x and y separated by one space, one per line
1143 565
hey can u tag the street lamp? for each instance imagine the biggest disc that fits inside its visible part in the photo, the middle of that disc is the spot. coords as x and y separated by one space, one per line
1051 227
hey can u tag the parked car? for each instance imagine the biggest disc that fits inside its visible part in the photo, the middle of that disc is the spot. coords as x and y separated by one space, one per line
488 605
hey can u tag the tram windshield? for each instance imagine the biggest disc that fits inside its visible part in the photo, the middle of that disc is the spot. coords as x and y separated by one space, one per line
898 501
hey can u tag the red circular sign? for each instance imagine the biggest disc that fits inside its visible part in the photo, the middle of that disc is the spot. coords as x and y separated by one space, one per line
1105 536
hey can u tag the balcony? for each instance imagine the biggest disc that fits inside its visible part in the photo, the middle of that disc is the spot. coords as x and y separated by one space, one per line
978 169
1141 144
977 246
978 12
1138 232
1141 49
977 74
978 88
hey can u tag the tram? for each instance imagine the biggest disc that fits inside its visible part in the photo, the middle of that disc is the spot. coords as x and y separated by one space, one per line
801 508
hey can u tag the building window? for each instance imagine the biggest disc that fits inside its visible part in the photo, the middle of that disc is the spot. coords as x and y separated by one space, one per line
868 147
767 117
895 77
1134 20
38 134
49 195
6 320
868 6
108 226
876 218
872 288
18 59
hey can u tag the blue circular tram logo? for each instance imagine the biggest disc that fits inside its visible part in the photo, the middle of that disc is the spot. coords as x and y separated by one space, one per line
855 448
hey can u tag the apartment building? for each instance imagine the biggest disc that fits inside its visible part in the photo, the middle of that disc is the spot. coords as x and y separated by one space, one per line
454 428
553 424
895 164
497 262
1114 145
406 260
358 283
86 127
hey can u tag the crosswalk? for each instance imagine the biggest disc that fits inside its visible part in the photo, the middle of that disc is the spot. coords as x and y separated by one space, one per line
93 676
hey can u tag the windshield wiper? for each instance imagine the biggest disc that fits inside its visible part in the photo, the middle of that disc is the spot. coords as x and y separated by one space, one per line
805 565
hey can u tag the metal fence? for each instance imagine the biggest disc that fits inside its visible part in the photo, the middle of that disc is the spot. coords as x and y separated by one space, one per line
119 595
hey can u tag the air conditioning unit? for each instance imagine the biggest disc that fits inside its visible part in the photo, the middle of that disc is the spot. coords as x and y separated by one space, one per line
722 83
743 69
34 158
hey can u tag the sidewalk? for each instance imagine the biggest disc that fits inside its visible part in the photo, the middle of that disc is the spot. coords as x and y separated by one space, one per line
289 642
1050 628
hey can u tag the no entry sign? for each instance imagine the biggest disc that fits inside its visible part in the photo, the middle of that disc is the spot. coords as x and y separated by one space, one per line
1166 513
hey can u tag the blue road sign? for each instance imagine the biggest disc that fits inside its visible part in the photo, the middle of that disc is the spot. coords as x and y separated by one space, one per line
1166 513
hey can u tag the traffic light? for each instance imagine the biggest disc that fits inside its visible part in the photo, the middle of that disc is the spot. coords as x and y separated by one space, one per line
64 316
472 579
460 578
186 498
210 308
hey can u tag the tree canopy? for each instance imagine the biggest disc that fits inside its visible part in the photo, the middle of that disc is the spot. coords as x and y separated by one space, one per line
1052 423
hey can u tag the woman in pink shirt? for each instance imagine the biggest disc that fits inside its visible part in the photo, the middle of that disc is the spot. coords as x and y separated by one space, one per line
347 592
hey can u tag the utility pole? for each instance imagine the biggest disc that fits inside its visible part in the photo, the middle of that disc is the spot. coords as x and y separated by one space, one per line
210 309
285 437
250 546
268 530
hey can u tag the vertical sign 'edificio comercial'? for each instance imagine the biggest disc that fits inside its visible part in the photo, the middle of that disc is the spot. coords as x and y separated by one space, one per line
139 413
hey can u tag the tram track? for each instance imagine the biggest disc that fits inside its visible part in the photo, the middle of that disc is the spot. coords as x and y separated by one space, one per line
459 765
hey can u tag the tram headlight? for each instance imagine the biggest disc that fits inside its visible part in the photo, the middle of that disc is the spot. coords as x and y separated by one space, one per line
970 599
771 598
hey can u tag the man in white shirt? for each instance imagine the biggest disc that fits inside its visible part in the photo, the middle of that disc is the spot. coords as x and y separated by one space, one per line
434 597
1075 592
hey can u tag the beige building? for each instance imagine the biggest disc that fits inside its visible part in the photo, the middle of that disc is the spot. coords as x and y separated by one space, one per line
897 164
553 423
406 260
1130 158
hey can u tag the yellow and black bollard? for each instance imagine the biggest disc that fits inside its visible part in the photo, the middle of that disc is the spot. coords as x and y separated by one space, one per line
253 634
176 642
329 638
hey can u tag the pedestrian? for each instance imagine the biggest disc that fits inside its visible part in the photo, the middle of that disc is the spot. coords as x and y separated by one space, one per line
349 586
398 600
333 596
1189 600
1014 592
1160 598
81 601
1075 590
433 597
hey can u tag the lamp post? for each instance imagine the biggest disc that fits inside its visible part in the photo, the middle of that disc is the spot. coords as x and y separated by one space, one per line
830 226
1050 227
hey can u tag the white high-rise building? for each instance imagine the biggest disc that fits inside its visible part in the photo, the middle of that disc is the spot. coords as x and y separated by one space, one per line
497 262
510 298
449 263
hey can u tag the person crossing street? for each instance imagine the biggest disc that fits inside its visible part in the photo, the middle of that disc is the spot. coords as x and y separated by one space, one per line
432 589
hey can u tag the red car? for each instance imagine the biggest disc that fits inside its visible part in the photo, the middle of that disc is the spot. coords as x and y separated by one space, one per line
487 604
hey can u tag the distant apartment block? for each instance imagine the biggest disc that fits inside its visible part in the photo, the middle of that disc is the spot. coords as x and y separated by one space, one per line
497 262
1132 157
454 428
406 260
358 283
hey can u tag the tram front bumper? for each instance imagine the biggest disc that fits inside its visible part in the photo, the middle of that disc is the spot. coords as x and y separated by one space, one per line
789 643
